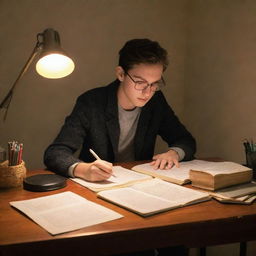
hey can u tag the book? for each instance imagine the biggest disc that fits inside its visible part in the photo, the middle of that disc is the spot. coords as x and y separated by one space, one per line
123 177
64 212
203 174
241 191
153 196
216 175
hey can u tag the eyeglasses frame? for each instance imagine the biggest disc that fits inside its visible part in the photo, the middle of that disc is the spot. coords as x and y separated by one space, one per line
148 84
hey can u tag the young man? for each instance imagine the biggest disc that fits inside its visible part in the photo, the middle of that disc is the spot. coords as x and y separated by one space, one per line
121 121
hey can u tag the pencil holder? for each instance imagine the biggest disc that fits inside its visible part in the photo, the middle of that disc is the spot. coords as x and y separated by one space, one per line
251 162
12 176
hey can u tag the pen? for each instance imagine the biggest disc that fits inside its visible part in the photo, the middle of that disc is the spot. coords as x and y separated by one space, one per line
94 154
252 146
97 157
247 146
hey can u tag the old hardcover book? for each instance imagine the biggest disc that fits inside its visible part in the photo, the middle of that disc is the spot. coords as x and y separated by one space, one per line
216 175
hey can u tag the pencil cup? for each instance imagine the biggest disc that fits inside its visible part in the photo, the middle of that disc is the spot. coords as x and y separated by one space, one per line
251 162
12 176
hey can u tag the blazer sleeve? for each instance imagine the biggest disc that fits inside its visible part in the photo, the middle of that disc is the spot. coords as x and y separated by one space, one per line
58 157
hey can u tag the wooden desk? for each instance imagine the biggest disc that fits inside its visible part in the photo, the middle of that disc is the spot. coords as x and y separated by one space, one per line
203 224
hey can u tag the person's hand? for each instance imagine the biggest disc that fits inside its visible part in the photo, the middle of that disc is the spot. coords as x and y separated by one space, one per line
165 160
96 171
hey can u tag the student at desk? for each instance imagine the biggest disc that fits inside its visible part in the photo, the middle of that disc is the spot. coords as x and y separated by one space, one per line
121 121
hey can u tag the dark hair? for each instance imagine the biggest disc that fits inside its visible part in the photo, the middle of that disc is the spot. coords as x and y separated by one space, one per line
137 51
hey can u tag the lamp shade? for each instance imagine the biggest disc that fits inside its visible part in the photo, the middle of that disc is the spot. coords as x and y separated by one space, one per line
53 61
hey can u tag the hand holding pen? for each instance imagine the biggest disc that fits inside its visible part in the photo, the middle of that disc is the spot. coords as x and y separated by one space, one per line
98 158
98 170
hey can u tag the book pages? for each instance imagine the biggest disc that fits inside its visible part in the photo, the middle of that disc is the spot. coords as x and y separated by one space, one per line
170 191
216 168
153 196
177 175
64 212
137 201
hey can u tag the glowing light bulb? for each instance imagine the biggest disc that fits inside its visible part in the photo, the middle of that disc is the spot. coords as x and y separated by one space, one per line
55 66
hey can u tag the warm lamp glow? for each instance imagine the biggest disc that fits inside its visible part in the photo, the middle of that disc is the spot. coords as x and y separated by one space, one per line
55 66
53 62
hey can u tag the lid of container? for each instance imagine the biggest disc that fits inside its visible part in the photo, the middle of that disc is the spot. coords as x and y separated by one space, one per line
44 182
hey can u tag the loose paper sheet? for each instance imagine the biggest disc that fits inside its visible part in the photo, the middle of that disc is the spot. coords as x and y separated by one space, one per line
64 212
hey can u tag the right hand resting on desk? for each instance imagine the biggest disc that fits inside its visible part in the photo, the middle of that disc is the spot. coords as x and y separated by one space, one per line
96 171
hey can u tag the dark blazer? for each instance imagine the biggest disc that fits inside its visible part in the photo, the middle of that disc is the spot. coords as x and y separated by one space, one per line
94 124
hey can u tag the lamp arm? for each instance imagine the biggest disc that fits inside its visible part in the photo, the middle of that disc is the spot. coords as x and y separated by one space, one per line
7 99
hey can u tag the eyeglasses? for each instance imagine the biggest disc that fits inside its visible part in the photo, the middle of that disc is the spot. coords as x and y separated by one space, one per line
143 85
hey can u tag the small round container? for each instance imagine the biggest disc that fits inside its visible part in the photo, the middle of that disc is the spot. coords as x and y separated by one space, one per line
12 176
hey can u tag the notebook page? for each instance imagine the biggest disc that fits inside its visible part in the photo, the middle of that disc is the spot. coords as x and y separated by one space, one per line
122 176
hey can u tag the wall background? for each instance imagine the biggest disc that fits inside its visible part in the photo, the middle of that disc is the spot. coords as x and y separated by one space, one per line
92 33
220 76
211 78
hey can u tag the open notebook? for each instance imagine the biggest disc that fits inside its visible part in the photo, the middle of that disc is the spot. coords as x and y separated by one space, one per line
153 196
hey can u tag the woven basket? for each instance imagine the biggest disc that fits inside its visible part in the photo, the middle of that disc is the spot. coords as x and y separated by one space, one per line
12 176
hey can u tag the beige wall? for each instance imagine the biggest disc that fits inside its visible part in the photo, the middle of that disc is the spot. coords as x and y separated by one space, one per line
210 79
92 32
220 77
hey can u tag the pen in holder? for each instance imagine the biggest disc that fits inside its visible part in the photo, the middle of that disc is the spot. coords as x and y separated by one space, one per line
12 176
251 162
250 153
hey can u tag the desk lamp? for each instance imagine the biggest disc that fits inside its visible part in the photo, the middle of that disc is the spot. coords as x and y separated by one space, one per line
53 62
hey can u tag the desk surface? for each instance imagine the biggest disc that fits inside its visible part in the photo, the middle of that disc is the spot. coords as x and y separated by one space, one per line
207 223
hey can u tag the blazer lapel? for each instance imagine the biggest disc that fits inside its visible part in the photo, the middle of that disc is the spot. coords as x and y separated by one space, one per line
142 128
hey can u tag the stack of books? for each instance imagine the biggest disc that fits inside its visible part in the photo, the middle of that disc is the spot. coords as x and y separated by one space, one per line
238 194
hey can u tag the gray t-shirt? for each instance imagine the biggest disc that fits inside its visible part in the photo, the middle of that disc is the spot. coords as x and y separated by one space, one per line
128 121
